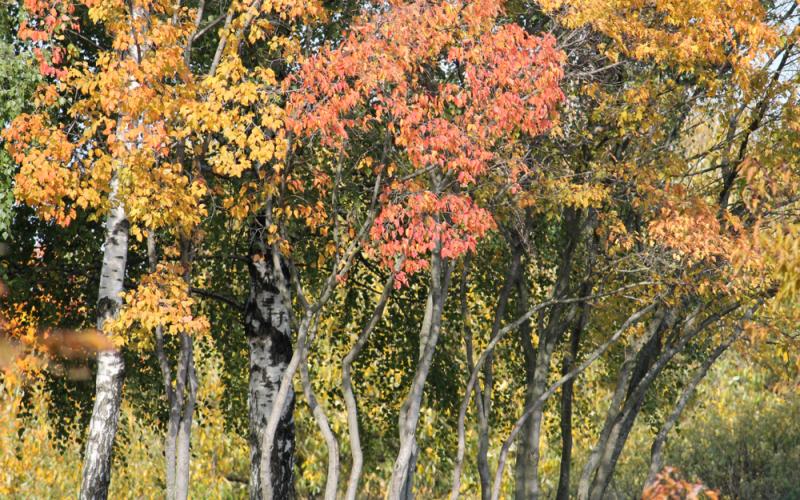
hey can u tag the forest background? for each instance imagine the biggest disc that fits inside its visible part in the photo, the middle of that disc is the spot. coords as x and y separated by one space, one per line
276 249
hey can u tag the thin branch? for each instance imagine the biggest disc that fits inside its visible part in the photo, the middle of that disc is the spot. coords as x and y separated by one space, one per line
454 492
347 385
219 297
205 29
632 319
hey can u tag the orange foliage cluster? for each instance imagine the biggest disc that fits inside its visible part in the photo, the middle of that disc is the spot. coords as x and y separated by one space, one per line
499 82
47 21
45 179
668 485
414 228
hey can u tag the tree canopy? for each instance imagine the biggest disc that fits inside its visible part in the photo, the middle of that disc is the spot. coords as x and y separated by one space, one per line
434 248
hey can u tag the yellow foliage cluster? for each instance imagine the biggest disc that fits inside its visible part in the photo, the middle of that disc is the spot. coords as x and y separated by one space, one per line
37 463
784 256
33 463
153 121
161 299
238 137
673 32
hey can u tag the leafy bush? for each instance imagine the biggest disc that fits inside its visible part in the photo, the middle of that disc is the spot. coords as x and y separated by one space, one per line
744 441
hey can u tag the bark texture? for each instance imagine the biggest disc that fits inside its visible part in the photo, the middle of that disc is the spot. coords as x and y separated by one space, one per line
267 326
110 365
184 414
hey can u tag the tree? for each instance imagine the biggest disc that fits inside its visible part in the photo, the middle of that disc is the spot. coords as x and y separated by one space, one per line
452 94
402 229
136 160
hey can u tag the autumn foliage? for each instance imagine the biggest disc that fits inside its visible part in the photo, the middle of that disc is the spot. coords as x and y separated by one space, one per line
481 248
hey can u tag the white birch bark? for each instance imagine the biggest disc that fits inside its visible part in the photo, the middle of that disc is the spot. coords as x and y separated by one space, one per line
269 338
110 365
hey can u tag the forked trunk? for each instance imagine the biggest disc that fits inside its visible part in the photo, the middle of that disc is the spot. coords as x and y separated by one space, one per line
401 483
558 320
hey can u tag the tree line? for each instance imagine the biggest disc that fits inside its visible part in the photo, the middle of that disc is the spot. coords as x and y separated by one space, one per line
468 205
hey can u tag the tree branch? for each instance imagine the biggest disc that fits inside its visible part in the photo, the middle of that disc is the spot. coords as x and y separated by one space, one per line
218 297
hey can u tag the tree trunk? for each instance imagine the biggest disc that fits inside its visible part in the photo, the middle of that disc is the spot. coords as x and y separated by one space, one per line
332 480
110 365
182 398
347 386
483 398
590 358
648 365
620 431
266 319
557 323
183 440
565 467
522 465
616 405
656 458
541 372
170 440
483 434
610 455
403 472
179 425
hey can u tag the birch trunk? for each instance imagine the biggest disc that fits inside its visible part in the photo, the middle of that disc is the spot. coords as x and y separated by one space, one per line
110 365
269 338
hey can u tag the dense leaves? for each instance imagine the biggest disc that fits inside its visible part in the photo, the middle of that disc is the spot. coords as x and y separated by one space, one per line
377 243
